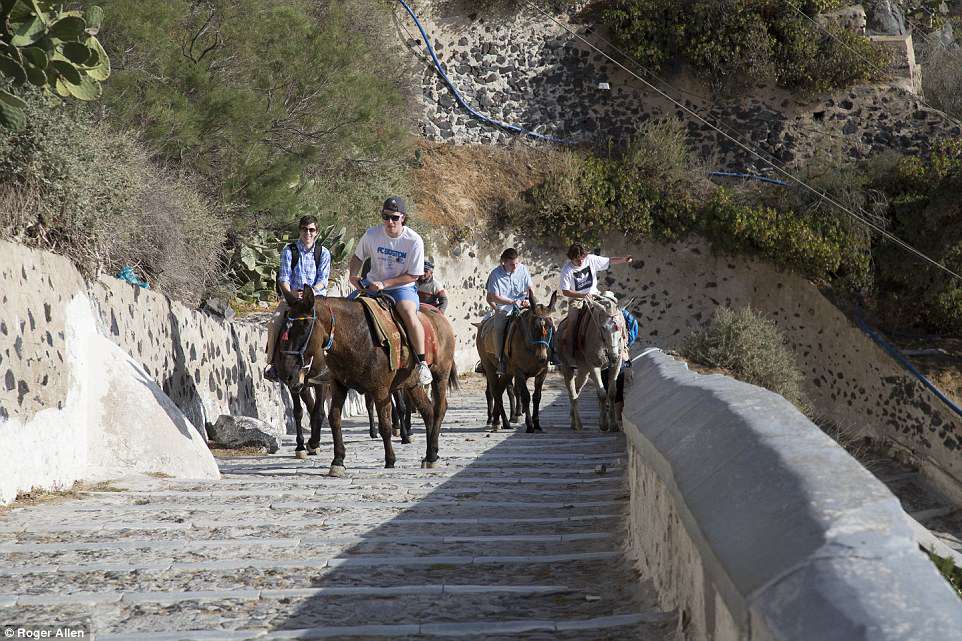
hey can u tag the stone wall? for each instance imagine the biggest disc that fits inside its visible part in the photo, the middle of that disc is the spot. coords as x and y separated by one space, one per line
527 71
102 379
676 288
746 537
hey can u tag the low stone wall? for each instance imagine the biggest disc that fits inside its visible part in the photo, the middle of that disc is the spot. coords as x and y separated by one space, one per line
103 379
743 532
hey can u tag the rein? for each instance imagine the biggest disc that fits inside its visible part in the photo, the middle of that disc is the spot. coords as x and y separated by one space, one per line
547 332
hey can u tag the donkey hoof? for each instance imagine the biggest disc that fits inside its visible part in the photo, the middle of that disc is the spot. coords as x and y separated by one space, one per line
301 454
406 441
514 419
312 451
395 432
337 471
428 465
537 428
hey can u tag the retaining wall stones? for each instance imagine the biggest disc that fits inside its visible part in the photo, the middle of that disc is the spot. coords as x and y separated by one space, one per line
525 70
741 529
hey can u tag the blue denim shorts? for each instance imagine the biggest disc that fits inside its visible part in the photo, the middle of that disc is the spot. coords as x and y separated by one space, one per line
406 292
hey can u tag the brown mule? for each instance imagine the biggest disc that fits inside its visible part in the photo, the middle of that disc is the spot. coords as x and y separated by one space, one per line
526 356
333 334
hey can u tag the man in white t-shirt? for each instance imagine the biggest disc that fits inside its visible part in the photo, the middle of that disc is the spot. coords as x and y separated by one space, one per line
397 260
579 276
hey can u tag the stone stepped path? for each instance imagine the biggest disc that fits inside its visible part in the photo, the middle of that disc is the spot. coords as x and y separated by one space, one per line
515 536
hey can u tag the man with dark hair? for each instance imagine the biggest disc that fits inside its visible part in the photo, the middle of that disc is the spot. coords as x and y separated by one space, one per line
579 276
430 289
397 260
303 264
507 289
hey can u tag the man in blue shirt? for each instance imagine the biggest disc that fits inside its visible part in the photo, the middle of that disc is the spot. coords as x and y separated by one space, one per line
312 268
507 289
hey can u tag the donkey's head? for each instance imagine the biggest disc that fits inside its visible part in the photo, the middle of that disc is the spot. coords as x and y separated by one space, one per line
301 353
540 326
607 316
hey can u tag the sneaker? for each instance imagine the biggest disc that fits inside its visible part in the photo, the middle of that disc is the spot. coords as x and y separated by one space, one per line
479 368
424 374
271 374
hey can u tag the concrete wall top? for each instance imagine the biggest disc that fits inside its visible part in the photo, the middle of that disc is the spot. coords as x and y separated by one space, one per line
800 541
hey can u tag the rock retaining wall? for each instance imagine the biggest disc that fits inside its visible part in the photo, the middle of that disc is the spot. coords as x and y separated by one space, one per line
735 520
525 70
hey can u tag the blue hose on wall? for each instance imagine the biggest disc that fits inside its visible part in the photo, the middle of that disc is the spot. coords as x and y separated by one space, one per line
515 129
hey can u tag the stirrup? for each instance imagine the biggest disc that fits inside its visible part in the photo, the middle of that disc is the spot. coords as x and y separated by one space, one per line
321 379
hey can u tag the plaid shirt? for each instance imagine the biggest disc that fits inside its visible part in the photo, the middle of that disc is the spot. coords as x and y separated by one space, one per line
307 272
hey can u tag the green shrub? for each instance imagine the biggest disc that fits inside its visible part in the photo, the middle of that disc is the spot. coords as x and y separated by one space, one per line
654 189
732 42
751 348
73 185
948 569
277 105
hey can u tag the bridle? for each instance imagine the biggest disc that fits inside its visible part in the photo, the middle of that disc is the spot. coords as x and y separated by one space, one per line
299 353
547 329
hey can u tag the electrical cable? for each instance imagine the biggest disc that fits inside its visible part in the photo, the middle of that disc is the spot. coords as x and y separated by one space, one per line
880 230
460 99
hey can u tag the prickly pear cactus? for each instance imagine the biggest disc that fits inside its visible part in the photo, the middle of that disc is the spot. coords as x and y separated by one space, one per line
255 262
57 50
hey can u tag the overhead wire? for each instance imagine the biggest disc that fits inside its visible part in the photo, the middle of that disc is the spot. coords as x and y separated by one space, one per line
821 194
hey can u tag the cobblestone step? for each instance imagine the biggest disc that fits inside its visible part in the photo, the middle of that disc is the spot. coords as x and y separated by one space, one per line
514 536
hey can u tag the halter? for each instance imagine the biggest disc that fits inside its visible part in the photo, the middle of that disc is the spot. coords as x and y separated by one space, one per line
299 353
546 334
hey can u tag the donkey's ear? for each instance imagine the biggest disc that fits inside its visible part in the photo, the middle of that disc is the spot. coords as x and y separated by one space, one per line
308 297
554 301
289 298
531 298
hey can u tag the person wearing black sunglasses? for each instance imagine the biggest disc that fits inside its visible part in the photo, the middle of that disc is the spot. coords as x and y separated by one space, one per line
303 264
397 260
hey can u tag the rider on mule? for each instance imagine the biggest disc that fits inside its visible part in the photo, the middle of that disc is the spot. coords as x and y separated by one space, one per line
579 276
397 260
430 289
508 288
310 267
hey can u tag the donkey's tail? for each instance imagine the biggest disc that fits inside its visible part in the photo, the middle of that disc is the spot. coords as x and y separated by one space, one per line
453 378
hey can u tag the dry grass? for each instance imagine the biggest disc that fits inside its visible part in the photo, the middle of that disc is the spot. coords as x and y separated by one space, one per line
39 496
458 187
239 452
159 475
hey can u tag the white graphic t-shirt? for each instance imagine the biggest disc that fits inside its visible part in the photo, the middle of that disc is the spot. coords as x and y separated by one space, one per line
391 257
585 278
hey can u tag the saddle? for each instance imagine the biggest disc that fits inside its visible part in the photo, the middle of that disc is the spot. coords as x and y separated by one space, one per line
388 331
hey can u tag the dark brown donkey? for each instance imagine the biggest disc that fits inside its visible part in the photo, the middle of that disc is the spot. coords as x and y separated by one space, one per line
333 333
526 354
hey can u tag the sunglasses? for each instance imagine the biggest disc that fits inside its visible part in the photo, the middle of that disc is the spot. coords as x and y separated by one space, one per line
393 217
309 230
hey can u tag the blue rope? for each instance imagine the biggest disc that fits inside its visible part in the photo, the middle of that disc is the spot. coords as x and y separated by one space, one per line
903 361
461 101
732 174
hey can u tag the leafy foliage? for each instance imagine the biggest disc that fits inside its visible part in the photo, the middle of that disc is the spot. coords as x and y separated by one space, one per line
45 46
254 262
655 189
277 105
926 212
948 569
730 42
749 346
71 184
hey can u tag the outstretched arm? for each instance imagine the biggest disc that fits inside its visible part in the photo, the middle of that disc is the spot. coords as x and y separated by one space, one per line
621 260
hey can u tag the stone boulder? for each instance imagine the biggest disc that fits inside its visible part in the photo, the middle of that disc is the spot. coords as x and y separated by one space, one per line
885 16
236 432
218 307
